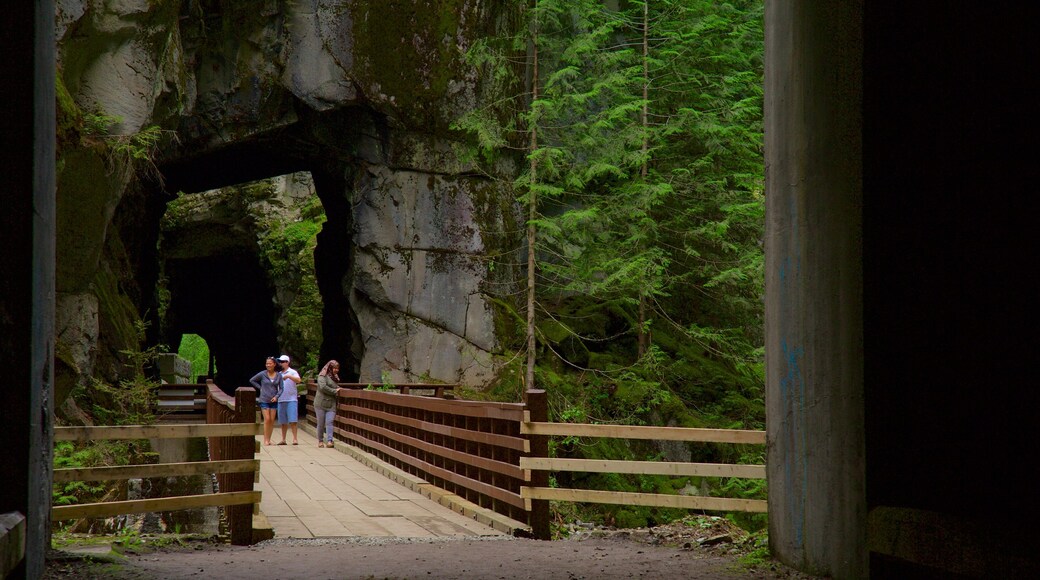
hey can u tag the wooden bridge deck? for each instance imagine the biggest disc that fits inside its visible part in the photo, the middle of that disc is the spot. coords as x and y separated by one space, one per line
310 492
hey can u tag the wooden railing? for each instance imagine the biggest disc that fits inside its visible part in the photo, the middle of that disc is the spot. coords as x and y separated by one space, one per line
469 448
497 454
222 409
232 445
439 391
537 427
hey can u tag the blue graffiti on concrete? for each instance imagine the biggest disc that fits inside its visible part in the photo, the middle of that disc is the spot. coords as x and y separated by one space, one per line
792 393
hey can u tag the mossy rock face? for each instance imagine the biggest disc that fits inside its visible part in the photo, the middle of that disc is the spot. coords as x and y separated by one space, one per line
118 316
335 85
89 188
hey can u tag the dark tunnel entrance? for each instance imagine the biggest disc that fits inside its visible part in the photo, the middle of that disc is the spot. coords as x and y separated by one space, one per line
256 277
223 300
221 285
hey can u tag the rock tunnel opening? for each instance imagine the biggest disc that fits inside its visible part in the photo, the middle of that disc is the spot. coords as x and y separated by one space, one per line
232 273
258 268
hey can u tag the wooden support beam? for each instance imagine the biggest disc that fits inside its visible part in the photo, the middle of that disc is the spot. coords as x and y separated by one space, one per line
678 469
642 432
693 502
155 431
157 470
536 408
165 504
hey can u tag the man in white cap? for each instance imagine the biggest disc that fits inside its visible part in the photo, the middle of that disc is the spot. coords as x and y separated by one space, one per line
288 402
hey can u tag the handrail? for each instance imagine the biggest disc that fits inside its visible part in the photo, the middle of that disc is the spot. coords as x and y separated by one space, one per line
122 472
468 448
645 432
239 411
231 430
115 432
535 427
497 454
440 390
214 393
117 472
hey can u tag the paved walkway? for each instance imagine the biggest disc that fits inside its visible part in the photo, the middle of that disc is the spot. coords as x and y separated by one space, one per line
310 492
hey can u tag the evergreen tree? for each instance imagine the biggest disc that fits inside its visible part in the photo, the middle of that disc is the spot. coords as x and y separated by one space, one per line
644 189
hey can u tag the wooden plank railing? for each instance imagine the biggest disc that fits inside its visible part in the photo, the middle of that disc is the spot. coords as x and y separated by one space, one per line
497 454
107 509
532 426
231 433
440 391
239 411
469 448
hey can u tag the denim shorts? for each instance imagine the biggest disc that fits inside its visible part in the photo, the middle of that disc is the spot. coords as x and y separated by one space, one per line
287 411
267 405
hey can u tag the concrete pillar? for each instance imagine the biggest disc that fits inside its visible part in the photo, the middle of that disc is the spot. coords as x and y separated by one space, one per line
27 269
814 298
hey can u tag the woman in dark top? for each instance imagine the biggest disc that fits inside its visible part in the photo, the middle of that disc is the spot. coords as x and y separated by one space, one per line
269 382
325 402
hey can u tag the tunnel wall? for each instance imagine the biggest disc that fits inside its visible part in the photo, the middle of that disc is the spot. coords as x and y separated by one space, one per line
814 355
901 407
27 227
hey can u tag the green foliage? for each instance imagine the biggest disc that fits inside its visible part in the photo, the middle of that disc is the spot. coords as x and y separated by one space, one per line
131 155
97 122
69 455
138 147
648 178
131 402
194 349
649 185
386 386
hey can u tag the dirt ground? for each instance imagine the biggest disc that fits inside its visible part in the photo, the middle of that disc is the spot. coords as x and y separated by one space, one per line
659 553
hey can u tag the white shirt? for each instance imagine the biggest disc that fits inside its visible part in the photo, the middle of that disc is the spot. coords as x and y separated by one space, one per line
291 377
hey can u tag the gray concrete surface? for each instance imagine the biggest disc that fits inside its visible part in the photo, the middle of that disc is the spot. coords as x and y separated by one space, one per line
814 295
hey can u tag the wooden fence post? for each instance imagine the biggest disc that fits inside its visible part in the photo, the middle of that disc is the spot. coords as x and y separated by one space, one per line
537 406
240 517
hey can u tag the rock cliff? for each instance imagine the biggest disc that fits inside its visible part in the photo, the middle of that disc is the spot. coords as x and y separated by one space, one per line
196 102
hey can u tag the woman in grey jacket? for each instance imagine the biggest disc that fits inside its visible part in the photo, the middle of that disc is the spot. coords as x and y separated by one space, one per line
325 402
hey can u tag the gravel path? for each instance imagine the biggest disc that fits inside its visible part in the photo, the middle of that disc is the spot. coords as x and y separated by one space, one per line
392 558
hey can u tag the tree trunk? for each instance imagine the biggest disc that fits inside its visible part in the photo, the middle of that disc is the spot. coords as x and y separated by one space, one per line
532 214
644 168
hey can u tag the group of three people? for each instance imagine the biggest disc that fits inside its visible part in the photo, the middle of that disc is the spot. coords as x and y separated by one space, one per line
279 400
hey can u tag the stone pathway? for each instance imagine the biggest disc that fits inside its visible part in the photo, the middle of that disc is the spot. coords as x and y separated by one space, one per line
310 493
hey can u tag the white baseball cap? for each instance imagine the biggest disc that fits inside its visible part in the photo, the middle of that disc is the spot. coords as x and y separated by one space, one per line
284 358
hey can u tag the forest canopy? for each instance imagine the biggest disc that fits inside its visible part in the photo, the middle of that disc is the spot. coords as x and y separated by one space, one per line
641 131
